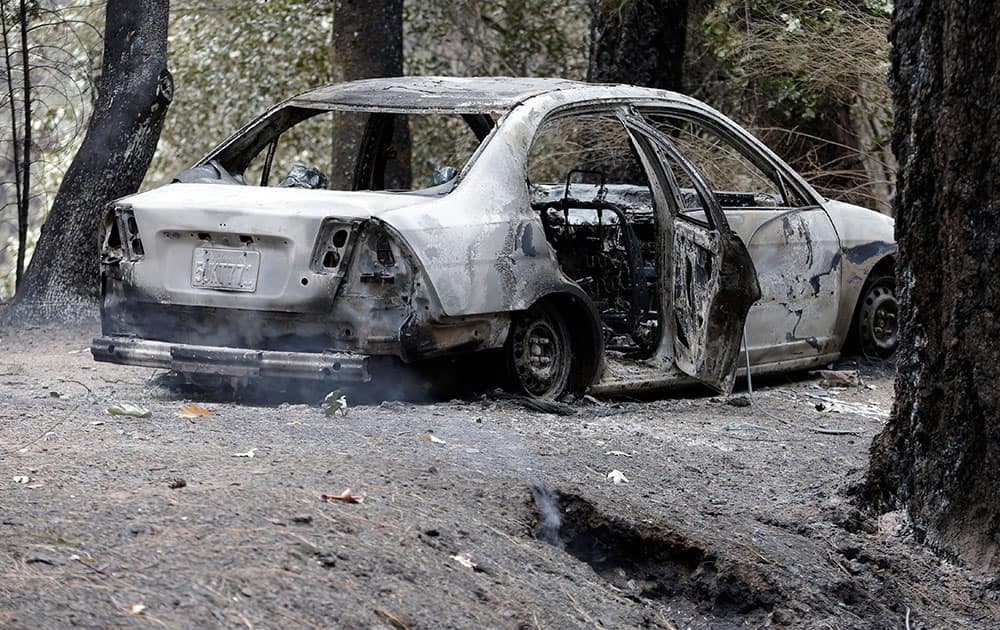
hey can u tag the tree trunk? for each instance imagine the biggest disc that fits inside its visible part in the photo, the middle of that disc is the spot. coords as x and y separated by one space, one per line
640 42
875 156
135 88
25 199
939 455
367 43
12 100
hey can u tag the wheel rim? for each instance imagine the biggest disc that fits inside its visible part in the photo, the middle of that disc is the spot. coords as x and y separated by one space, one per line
540 356
880 319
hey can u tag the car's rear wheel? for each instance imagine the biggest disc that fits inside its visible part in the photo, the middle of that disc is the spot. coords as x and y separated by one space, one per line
540 352
878 317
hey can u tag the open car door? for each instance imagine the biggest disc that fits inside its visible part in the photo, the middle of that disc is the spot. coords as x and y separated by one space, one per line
714 280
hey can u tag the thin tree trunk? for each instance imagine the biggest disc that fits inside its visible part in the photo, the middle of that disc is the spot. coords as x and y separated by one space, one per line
25 197
367 43
15 144
640 42
939 455
134 91
874 155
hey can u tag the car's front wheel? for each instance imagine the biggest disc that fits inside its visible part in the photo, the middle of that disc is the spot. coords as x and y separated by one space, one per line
878 317
540 352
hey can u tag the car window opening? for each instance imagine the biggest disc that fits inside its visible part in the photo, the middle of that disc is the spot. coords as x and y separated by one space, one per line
737 182
593 196
298 147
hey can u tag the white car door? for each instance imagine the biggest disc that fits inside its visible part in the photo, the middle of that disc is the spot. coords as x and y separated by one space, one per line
712 276
792 241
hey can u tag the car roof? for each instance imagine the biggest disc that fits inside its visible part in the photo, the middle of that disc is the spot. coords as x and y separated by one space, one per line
458 94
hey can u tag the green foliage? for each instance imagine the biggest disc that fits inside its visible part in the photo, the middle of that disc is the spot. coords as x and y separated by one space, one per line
809 76
805 55
64 44
505 38
231 61
7 275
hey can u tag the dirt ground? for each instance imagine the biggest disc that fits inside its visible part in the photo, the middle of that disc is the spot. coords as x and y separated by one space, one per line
731 517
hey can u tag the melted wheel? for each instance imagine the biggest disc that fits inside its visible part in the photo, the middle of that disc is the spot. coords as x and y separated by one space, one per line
540 352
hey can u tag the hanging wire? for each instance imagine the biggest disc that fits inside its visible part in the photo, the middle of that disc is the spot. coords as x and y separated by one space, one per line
753 399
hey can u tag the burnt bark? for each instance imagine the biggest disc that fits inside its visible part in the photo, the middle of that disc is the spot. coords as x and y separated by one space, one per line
20 143
12 99
25 195
367 43
640 42
135 88
940 452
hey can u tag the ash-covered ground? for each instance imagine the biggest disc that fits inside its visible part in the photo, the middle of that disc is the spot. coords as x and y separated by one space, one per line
476 512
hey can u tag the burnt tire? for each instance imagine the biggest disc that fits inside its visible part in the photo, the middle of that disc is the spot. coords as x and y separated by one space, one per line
877 322
540 352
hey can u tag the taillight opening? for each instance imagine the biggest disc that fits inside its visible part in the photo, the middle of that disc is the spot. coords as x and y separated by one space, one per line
121 236
129 233
332 246
331 260
111 250
383 251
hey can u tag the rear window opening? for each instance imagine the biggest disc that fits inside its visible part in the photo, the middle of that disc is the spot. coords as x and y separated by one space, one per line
300 147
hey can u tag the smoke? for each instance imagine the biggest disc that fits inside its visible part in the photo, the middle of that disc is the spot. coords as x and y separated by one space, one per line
549 519
497 447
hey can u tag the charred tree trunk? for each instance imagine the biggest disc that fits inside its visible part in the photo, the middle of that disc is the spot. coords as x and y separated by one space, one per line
25 194
12 99
640 42
939 455
20 143
134 91
368 43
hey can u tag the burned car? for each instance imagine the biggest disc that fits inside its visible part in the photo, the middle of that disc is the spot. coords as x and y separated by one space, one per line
601 237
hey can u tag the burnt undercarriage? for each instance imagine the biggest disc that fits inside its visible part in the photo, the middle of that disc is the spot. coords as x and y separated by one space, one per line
211 326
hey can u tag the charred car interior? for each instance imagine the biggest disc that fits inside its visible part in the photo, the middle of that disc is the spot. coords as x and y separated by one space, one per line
602 238
604 234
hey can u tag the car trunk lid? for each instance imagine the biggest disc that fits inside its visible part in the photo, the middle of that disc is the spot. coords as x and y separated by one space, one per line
248 247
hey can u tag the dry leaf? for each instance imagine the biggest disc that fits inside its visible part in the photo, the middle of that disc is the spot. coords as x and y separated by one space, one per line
617 477
193 410
248 454
464 560
395 621
128 409
433 438
344 496
618 453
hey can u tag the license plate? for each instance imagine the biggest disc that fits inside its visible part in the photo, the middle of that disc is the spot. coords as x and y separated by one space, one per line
228 269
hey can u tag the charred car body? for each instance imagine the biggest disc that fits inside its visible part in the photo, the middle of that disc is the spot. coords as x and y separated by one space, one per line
601 236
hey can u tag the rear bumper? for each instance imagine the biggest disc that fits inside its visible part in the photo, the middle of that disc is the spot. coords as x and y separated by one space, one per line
245 362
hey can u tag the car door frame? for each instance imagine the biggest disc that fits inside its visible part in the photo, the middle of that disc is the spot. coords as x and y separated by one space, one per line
708 309
800 336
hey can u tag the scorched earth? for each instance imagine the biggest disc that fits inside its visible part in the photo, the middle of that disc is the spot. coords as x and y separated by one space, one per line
474 512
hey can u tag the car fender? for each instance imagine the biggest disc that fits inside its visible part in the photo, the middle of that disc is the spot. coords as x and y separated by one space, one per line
483 247
866 239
